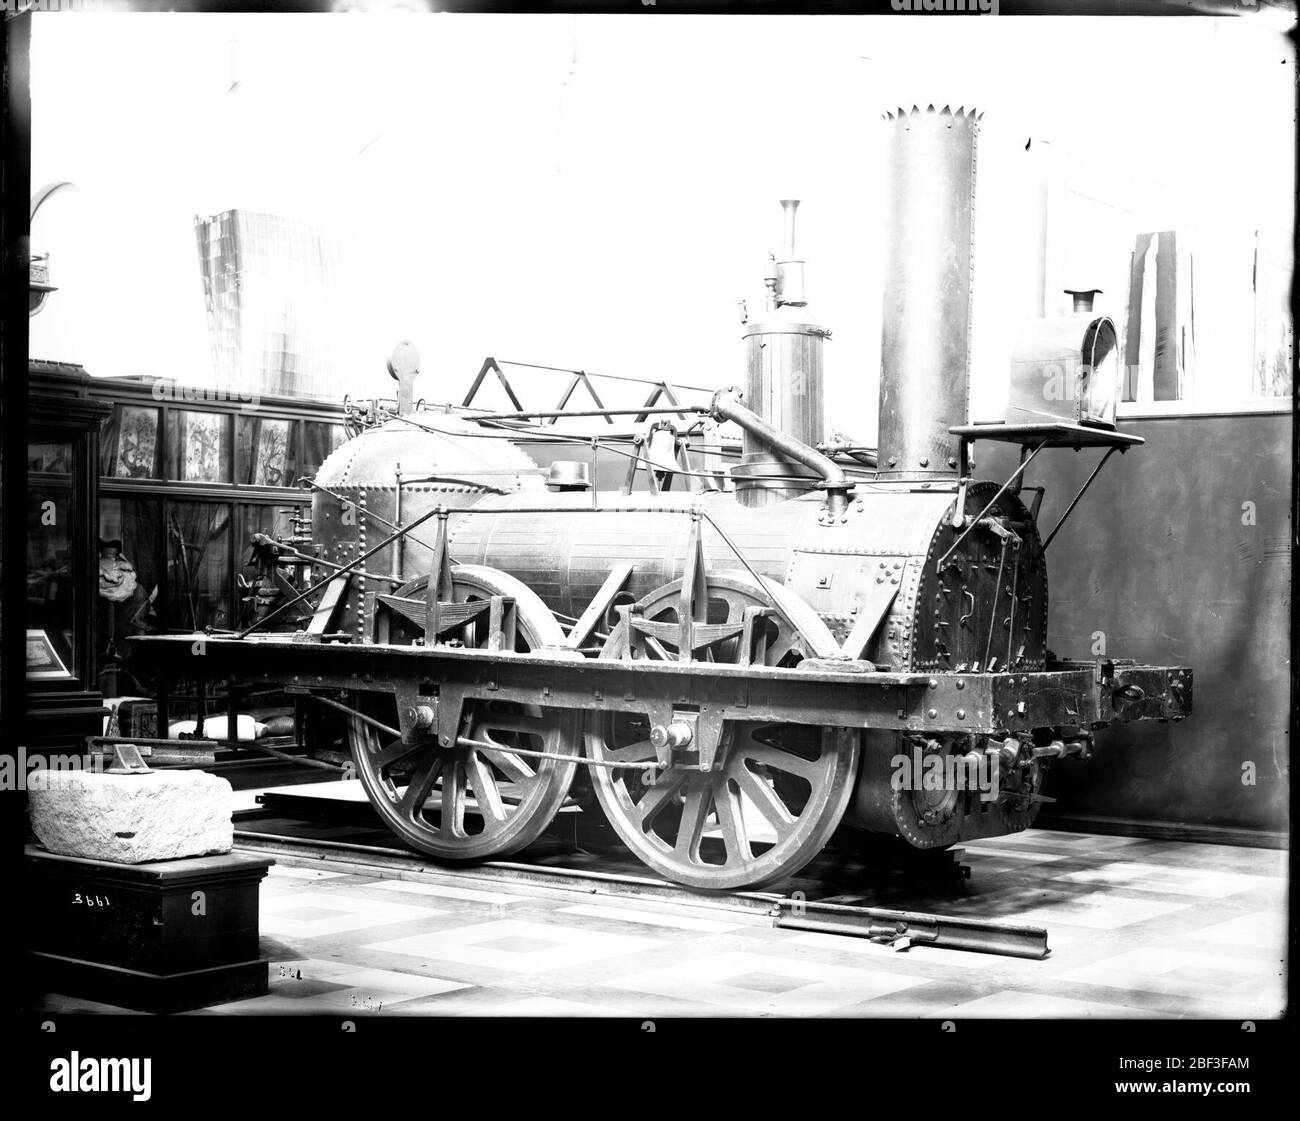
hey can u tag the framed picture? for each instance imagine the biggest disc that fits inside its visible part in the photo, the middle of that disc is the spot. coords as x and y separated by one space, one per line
137 443
43 661
203 440
271 457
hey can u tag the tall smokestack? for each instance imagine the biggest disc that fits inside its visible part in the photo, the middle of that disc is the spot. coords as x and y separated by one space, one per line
925 337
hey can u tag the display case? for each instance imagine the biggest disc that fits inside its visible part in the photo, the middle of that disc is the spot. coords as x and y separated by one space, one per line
63 700
187 476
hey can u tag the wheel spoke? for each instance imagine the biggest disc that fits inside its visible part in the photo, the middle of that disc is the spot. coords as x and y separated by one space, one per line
657 797
453 798
765 798
732 820
421 785
516 768
770 756
393 753
486 792
694 814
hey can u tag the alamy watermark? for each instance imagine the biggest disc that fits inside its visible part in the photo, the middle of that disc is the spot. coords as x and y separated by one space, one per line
83 1074
18 770
168 391
923 771
977 7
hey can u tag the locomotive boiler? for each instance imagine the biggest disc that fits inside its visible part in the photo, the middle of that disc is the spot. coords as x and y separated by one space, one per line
740 671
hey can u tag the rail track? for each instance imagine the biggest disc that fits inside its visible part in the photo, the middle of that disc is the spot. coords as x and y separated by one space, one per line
793 909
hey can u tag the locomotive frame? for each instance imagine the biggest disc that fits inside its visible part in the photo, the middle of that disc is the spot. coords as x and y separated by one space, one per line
440 686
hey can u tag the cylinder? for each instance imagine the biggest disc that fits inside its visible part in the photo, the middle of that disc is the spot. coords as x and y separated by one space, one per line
926 322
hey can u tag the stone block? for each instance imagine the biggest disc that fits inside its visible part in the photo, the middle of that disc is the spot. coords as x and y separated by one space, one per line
130 819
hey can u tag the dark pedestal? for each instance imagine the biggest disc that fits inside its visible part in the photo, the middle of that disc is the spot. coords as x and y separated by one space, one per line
59 720
160 937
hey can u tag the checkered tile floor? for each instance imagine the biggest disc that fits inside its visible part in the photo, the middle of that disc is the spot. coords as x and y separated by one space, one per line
1137 929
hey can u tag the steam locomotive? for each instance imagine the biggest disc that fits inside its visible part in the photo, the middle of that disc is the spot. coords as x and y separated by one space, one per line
744 666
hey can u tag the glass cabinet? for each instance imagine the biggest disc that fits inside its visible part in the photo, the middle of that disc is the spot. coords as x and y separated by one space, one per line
63 700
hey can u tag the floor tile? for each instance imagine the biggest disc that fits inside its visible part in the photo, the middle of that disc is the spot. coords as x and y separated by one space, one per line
1013 1005
1159 878
1038 838
373 1000
517 946
674 920
1215 978
448 891
1261 930
554 1006
289 917
1097 910
1009 852
746 983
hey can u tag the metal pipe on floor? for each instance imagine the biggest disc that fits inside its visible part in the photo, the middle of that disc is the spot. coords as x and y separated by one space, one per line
986 936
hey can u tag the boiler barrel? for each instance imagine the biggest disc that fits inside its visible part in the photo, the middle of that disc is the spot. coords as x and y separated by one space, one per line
565 555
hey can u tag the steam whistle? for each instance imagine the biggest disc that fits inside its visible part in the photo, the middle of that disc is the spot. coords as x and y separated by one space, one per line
404 366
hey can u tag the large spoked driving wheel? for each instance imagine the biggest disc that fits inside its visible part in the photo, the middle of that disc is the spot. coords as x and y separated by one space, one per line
775 793
480 797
